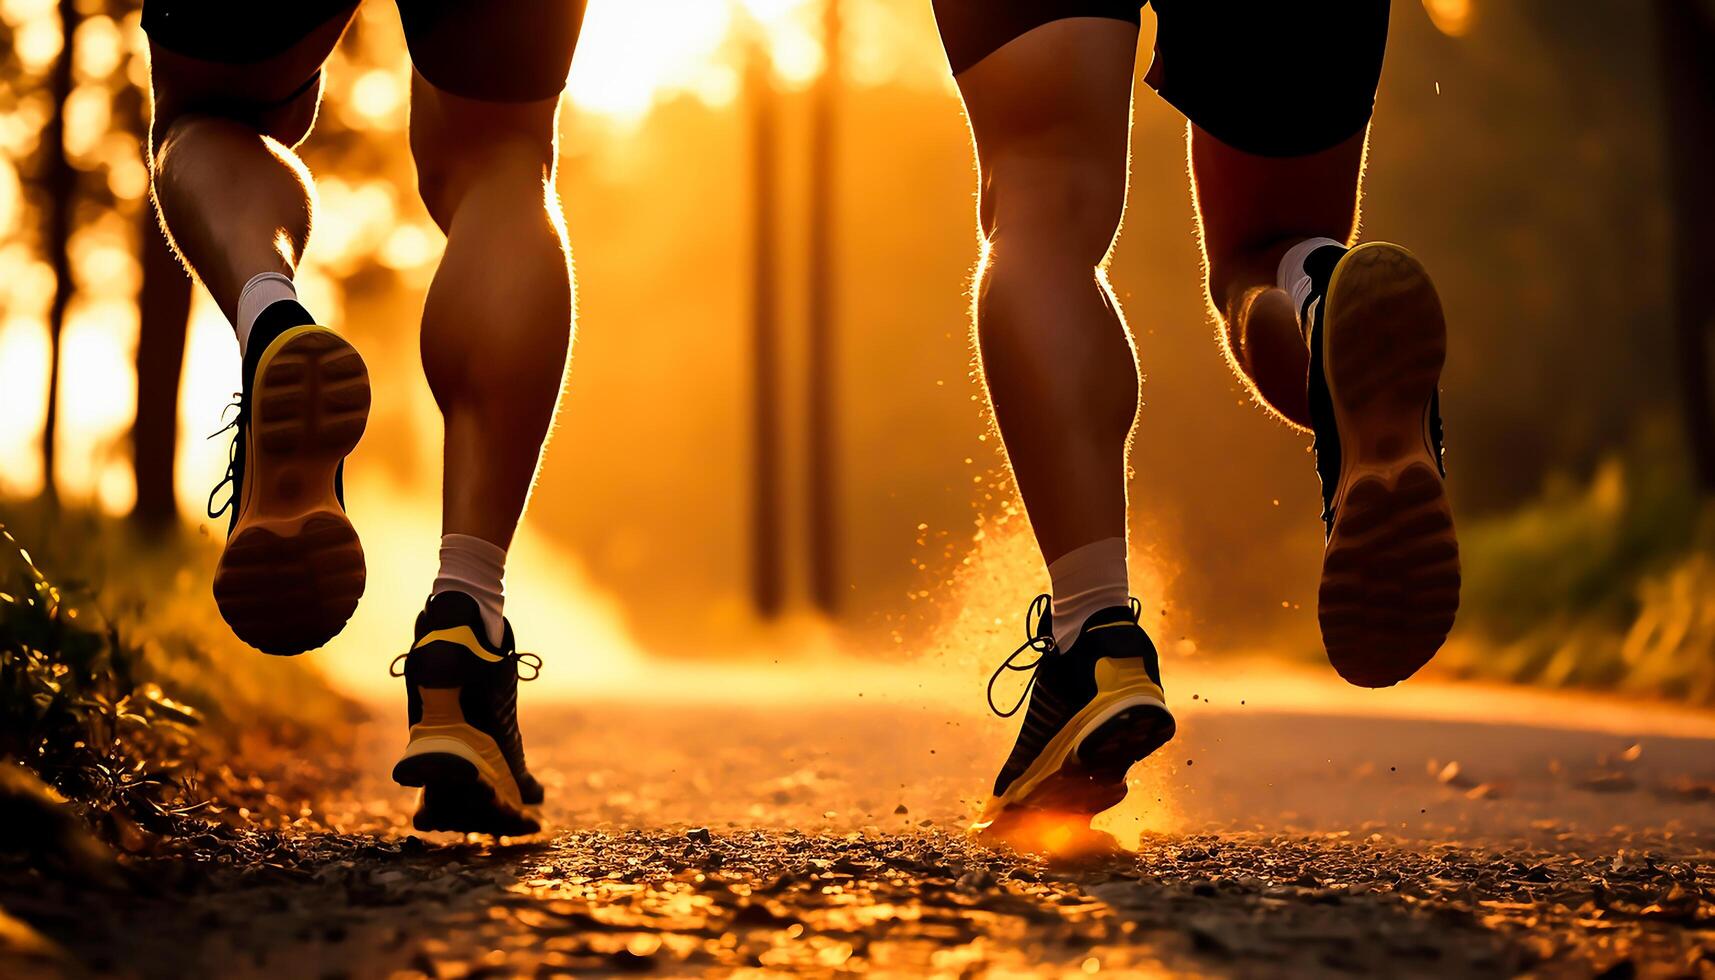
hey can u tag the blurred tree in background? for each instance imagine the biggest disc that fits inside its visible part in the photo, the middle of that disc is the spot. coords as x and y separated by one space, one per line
1686 32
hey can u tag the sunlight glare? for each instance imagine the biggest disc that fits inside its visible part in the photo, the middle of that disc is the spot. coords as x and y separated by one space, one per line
11 197
351 223
411 247
210 378
23 403
87 117
377 101
635 56
37 43
1451 17
100 47
97 401
15 12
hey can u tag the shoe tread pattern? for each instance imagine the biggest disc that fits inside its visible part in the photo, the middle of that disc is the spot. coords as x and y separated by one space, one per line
1390 574
293 569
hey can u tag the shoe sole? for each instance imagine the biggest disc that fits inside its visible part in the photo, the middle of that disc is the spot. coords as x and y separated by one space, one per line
465 782
1090 773
455 797
1093 778
293 568
1390 572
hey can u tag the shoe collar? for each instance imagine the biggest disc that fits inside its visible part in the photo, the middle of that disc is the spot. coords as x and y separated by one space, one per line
450 610
1111 616
1044 613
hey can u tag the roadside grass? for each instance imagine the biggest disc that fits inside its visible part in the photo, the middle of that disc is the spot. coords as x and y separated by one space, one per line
1605 583
123 693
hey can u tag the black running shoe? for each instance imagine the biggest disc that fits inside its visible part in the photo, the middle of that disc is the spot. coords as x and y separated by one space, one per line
466 752
293 569
1095 709
1390 570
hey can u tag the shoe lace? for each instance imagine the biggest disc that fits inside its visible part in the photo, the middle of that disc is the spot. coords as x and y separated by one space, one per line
1042 645
531 661
236 410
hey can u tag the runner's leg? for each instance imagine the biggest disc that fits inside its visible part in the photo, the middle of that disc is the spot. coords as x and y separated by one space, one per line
497 329
233 92
497 324
1049 101
1051 115
1347 342
1279 103
233 197
1251 210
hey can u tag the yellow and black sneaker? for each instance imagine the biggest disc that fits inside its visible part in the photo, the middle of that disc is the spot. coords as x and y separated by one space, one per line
1095 709
466 752
293 569
1390 569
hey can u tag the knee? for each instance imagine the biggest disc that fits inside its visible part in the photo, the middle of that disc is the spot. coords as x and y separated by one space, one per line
288 123
1061 209
449 167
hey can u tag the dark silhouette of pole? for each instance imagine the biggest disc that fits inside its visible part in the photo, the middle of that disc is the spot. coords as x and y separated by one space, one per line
822 390
59 181
767 585
164 306
1686 36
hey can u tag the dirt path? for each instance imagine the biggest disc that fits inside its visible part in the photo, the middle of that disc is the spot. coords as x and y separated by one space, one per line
1270 839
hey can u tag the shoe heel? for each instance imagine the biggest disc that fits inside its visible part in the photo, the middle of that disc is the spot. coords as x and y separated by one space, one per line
1092 777
441 768
466 783
456 797
443 744
1110 751
289 586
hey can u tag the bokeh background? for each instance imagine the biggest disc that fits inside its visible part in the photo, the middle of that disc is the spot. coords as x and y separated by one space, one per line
1527 151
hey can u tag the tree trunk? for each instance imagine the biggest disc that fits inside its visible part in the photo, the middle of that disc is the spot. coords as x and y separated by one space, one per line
59 182
1686 33
164 306
822 477
767 585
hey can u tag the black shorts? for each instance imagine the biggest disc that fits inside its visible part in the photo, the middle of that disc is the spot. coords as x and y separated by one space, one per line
494 50
1267 77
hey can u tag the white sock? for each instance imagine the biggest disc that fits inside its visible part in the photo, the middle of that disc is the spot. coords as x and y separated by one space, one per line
261 292
1086 580
1292 277
478 569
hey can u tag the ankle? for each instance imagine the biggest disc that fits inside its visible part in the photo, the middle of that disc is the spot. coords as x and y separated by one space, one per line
259 293
476 568
1086 580
1295 274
